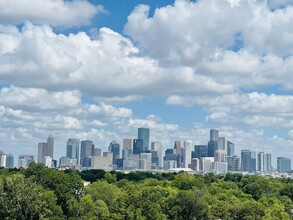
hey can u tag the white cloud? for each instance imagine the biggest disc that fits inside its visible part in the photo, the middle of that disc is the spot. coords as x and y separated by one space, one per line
53 12
38 99
109 111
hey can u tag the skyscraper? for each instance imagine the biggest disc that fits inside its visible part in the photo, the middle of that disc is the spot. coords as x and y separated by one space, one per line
137 146
248 161
264 162
72 148
9 161
157 146
50 141
114 147
284 165
2 159
86 151
25 160
230 149
42 152
222 144
187 153
200 151
144 134
45 149
128 143
213 143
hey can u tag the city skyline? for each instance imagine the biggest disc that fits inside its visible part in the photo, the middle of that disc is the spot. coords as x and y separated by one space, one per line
98 70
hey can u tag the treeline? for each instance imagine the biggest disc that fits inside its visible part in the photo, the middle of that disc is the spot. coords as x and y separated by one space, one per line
41 193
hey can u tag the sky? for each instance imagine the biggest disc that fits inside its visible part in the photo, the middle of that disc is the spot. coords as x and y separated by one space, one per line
100 69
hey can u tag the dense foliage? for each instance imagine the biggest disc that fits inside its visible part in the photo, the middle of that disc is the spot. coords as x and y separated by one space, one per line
41 193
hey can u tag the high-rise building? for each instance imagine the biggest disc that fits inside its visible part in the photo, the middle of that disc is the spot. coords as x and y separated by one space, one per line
179 152
128 143
222 144
187 153
97 152
248 161
283 165
126 152
45 149
42 152
145 161
144 134
264 162
114 147
86 151
9 161
72 148
233 163
25 160
2 159
48 161
220 156
200 151
137 146
230 149
157 146
50 141
206 164
213 143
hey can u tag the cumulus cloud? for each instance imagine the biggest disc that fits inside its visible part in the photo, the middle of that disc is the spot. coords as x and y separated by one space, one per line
53 12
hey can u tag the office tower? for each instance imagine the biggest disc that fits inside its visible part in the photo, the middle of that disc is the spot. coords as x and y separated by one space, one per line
66 162
264 162
9 161
86 151
145 161
137 146
50 141
144 134
179 151
248 161
245 160
97 152
157 146
48 161
206 163
114 147
213 143
222 144
187 153
72 148
128 143
25 160
252 161
233 163
220 156
103 162
131 163
169 164
170 154
155 160
42 152
283 165
200 151
230 149
195 164
126 152
2 159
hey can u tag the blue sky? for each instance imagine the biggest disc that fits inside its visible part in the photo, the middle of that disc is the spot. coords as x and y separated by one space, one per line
100 69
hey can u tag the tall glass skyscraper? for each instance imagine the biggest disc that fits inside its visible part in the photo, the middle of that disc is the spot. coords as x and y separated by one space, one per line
144 134
213 143
284 165
114 147
72 148
86 151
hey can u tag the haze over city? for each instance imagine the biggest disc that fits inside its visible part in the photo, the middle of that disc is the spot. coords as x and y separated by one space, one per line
99 70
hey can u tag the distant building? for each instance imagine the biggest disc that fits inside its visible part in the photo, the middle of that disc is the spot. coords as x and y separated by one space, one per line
86 151
97 152
157 146
45 149
213 143
104 162
233 163
284 165
195 164
128 143
48 161
137 146
72 148
145 161
144 134
200 151
25 160
248 161
264 162
114 147
230 149
206 164
2 159
169 164
187 153
9 161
